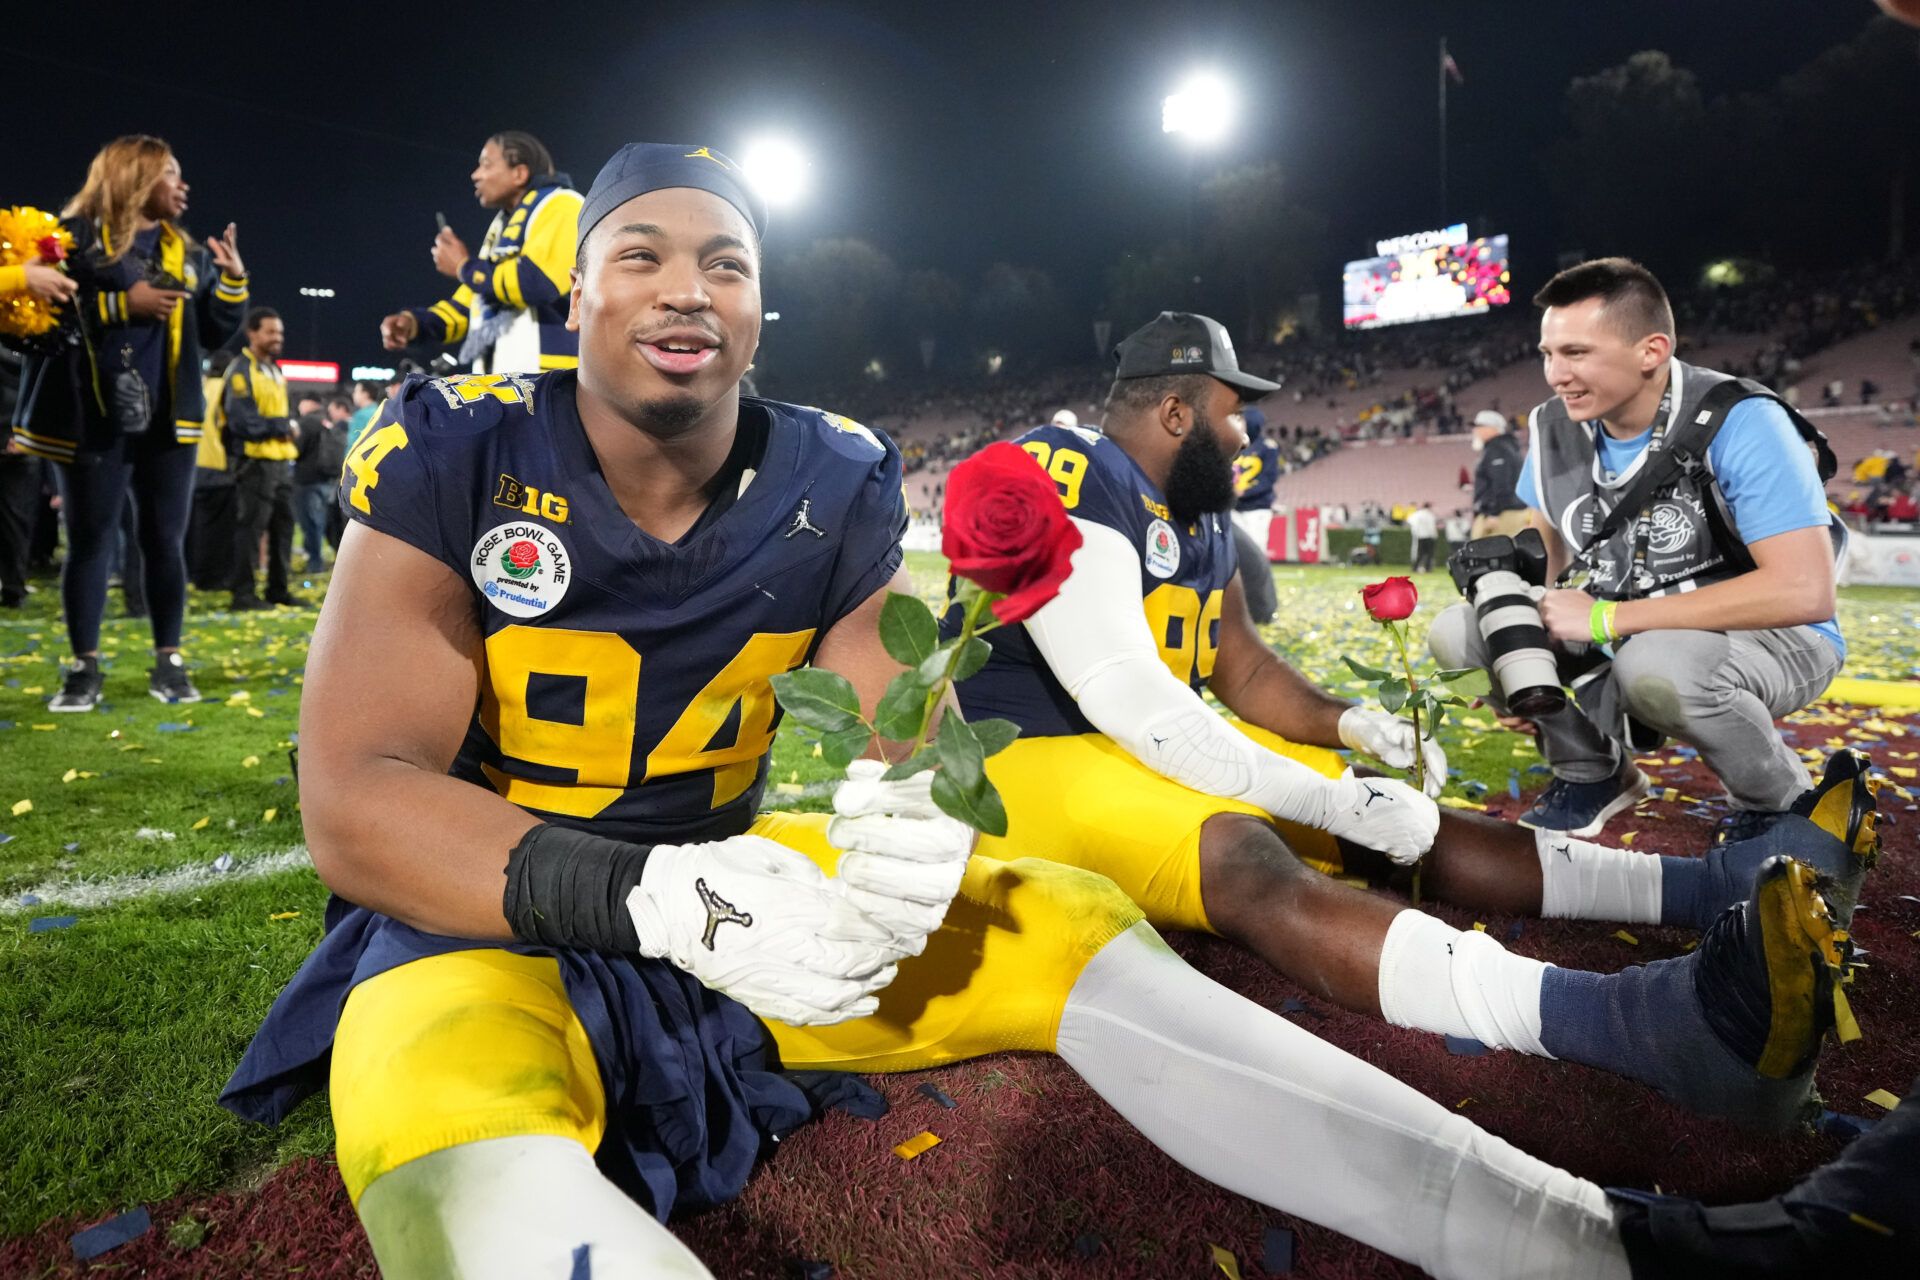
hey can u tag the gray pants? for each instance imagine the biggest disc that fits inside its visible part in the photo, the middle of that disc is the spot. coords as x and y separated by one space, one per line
1720 691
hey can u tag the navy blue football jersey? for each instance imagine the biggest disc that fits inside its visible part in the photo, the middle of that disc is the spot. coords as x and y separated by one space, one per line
1184 572
1254 471
625 688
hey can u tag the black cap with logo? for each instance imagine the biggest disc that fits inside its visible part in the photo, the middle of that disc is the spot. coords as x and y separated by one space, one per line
1177 342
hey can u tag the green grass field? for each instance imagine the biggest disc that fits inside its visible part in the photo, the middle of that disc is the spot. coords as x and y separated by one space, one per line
172 836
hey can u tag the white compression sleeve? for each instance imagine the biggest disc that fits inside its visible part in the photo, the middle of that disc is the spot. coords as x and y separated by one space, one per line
514 1209
1095 639
1580 880
1251 1102
1455 982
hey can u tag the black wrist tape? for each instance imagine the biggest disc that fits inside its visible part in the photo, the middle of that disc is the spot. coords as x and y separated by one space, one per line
569 889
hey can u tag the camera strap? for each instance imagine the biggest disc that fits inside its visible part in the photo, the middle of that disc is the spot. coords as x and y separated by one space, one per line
1686 455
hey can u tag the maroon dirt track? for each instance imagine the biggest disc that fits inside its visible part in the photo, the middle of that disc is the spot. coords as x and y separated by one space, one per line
1031 1161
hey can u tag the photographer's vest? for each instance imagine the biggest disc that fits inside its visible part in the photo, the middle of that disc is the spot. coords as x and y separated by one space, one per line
1681 553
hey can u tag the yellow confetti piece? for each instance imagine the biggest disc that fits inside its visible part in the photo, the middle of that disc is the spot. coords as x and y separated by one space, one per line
1462 1104
1902 771
914 1146
284 915
794 776
45 728
1844 1024
249 762
202 824
69 775
1883 1098
22 806
1456 802
34 690
269 815
1863 1220
1626 937
256 713
816 751
1628 838
1478 927
1224 1259
789 788
240 698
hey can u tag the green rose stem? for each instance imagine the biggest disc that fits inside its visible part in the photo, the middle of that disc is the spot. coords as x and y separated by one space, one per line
1398 631
979 603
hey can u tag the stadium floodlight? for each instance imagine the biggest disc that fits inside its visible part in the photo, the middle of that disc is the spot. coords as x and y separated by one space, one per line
778 170
1200 110
307 291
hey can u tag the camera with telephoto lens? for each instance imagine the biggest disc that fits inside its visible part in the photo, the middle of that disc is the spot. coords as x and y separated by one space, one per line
1497 576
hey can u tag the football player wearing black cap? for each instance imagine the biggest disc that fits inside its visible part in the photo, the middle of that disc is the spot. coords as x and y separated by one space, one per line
557 913
1227 825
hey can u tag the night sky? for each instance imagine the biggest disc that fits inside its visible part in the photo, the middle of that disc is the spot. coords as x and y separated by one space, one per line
949 135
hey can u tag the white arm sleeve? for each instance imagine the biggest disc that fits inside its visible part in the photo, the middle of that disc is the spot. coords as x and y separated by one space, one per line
1094 637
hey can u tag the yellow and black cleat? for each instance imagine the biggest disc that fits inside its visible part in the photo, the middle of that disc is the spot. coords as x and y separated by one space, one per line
1806 955
1845 804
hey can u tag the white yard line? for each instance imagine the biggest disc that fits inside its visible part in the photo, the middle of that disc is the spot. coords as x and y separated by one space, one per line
107 891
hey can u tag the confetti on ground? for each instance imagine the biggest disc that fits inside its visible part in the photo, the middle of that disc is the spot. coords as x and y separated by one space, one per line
153 833
284 915
47 924
1884 1098
202 824
1465 1047
1277 1256
789 788
1224 1259
22 806
1626 937
1088 1245
4 837
938 1095
175 727
250 762
270 815
224 862
916 1145
812 1269
111 1234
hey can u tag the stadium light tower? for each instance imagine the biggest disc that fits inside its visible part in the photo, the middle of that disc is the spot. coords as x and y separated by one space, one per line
1201 110
778 170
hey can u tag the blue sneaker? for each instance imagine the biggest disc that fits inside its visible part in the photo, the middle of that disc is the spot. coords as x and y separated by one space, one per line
1582 808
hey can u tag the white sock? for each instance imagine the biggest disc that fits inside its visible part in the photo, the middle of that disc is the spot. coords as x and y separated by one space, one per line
1580 880
514 1209
1259 1106
1434 977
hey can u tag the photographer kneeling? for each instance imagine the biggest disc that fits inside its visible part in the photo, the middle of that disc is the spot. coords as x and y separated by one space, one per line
1671 499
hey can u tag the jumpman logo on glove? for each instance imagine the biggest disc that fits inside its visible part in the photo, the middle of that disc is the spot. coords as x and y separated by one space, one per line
719 912
1373 795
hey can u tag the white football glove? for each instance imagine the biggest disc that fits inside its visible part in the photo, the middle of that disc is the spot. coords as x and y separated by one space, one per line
903 858
1389 739
1382 814
759 922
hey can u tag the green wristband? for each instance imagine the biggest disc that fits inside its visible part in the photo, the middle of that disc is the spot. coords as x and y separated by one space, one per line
1600 621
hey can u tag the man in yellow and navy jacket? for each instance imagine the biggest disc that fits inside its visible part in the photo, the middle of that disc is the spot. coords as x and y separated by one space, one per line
509 314
261 436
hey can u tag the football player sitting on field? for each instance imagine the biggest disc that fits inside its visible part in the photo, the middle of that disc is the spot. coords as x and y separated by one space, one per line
566 956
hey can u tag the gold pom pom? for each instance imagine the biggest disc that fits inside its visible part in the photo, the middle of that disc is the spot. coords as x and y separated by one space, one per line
23 233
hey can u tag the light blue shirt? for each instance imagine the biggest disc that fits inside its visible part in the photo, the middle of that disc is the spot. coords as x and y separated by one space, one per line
1764 471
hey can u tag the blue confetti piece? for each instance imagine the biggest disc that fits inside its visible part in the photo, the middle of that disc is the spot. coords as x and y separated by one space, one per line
1686 753
4 837
276 693
223 863
1476 786
29 899
47 924
1293 1004
1276 1258
1465 1047
6 724
1088 1245
13 682
173 727
72 848
1514 930
582 1263
809 1269
938 1095
1513 784
1539 768
111 1234
1836 1125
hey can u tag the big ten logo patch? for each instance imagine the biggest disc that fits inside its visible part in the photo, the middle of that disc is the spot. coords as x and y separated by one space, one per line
527 499
470 388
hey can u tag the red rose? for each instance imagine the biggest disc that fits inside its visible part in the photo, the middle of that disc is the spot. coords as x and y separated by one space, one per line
1391 600
1006 531
523 554
51 250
